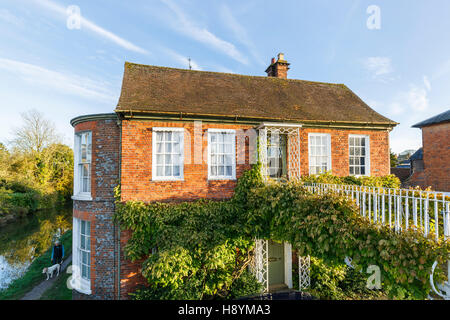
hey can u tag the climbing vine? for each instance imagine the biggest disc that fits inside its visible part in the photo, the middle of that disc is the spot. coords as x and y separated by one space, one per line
203 248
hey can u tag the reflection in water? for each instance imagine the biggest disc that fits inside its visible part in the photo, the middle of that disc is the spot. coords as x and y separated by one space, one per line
9 272
29 238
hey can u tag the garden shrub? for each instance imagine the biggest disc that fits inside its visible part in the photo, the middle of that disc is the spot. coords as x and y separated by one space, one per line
325 279
204 247
336 282
27 200
329 227
200 248
246 285
388 181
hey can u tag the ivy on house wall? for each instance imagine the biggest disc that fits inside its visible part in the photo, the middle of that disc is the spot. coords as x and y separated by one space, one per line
204 247
202 251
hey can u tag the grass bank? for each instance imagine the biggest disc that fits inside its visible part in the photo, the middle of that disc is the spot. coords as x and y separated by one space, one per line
59 290
19 287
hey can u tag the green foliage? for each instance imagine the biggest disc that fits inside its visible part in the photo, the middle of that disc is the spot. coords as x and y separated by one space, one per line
59 290
200 248
32 181
330 228
33 276
25 200
246 285
325 279
337 282
17 203
204 247
389 181
393 159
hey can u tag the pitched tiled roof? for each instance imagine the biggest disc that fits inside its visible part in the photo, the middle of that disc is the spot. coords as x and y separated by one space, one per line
442 117
418 155
162 90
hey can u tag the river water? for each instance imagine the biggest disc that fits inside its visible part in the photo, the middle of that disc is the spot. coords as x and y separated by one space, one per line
23 241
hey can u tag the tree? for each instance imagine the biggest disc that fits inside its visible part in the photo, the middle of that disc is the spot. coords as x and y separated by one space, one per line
394 159
35 134
55 169
4 161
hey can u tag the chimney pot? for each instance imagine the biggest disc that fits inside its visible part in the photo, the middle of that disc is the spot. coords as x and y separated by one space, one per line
279 68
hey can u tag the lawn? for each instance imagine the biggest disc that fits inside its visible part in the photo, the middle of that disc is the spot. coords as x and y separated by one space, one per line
59 290
34 276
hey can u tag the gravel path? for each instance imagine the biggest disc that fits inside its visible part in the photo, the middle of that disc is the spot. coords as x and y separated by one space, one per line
37 291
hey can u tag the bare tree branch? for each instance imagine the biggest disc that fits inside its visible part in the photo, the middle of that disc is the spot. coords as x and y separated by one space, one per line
35 134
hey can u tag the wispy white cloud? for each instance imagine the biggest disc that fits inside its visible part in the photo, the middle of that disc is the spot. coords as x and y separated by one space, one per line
90 26
62 82
415 99
8 17
184 24
220 68
239 32
378 66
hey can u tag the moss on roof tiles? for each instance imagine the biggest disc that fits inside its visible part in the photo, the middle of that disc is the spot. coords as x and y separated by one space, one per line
162 89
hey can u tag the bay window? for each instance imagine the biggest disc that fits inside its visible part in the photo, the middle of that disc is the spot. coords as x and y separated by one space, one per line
82 169
81 260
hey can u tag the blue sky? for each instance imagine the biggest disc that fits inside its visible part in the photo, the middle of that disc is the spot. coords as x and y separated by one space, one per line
402 70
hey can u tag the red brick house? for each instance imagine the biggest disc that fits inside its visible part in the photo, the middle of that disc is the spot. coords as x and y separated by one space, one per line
180 135
431 164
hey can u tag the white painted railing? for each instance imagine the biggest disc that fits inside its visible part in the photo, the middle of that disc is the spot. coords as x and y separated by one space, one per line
401 209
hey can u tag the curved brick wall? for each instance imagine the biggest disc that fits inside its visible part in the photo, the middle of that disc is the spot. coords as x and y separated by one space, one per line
99 211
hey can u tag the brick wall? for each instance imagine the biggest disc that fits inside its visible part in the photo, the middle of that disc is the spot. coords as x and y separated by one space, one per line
379 150
137 184
436 156
137 181
130 272
99 211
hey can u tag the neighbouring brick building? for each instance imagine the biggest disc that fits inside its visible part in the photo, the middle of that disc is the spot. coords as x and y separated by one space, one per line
180 135
430 166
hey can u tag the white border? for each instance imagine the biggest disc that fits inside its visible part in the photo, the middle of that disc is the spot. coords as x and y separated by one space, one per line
80 196
78 283
167 129
233 147
329 157
368 172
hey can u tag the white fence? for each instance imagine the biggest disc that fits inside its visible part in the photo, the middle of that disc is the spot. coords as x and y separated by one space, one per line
401 209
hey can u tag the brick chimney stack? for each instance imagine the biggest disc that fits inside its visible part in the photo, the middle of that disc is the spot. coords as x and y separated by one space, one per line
278 68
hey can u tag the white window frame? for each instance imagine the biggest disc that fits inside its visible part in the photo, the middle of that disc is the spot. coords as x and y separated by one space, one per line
233 149
79 283
366 157
77 183
155 177
328 146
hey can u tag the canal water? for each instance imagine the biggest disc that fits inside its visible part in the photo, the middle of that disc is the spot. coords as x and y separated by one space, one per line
23 241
